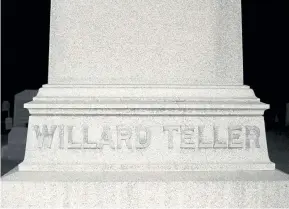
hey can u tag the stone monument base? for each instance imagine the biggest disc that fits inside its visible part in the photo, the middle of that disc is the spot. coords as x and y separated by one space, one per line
145 128
145 189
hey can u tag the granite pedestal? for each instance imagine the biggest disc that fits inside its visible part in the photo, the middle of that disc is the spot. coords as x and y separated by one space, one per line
145 106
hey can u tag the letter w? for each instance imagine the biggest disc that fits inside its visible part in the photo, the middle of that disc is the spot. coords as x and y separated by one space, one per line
45 137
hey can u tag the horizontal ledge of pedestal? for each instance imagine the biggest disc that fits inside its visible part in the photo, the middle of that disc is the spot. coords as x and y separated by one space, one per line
168 92
171 86
151 176
143 100
204 105
149 167
144 112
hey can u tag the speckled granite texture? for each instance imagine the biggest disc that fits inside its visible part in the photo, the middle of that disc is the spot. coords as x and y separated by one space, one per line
151 91
257 189
146 85
146 42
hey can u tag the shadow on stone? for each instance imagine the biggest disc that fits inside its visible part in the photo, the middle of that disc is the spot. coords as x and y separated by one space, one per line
8 165
13 153
278 148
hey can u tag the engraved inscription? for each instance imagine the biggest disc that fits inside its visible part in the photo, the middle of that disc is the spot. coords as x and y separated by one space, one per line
87 144
252 135
204 142
120 137
45 136
124 133
143 138
106 138
218 142
235 134
61 136
170 130
71 143
187 137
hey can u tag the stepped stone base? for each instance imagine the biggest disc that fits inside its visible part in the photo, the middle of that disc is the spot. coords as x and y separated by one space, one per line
145 189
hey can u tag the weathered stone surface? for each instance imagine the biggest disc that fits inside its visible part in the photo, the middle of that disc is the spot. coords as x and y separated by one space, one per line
146 42
152 86
254 189
146 143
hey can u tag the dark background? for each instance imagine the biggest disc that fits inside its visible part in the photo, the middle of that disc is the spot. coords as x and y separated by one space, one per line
25 45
